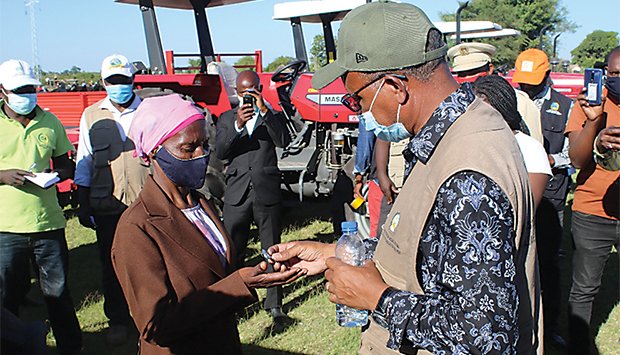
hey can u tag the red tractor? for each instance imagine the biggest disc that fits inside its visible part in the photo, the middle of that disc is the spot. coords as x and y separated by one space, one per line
323 131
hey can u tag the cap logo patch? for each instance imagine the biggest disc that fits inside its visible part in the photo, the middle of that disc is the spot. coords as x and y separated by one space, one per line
360 58
527 66
116 63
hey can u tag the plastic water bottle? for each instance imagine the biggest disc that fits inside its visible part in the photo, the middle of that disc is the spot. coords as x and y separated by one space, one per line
350 249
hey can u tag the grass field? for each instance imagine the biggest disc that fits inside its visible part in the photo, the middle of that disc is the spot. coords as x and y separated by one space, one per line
313 329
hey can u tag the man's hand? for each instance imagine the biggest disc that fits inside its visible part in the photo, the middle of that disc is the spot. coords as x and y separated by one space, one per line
260 103
591 112
387 187
257 277
84 212
303 254
608 139
359 287
244 114
14 177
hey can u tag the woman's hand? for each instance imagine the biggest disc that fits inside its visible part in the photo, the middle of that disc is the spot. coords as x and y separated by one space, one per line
257 277
306 255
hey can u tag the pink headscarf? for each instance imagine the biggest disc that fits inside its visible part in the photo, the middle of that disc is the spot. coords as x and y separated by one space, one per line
159 118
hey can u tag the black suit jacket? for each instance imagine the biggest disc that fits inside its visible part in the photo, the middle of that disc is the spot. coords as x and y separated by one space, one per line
252 158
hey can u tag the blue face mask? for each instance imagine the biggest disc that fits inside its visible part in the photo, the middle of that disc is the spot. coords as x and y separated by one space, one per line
395 132
121 94
188 173
21 104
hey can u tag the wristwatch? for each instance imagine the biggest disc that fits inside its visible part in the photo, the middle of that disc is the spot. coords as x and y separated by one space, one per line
380 312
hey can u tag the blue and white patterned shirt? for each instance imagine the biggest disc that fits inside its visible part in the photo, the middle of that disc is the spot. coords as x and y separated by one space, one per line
465 260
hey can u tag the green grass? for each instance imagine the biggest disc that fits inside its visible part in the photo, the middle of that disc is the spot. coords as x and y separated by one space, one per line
313 330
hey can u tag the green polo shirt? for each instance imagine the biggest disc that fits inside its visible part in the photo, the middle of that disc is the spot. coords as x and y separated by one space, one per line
29 208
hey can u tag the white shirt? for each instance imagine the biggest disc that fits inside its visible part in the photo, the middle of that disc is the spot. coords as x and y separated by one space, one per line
84 157
534 154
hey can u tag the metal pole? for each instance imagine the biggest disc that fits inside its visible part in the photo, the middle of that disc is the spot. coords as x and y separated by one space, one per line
153 40
540 37
462 6
298 39
205 44
555 42
328 35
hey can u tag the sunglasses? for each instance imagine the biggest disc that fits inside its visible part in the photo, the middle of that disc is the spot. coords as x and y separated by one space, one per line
352 101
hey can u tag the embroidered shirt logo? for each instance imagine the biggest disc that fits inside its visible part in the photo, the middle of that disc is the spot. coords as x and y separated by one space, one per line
394 222
360 58
555 106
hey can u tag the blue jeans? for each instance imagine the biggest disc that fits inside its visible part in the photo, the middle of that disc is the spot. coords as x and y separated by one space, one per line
52 257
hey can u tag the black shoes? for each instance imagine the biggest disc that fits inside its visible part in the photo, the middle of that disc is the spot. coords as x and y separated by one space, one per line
277 314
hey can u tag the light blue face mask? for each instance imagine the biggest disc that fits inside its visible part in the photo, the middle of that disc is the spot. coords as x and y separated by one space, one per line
395 132
121 94
21 104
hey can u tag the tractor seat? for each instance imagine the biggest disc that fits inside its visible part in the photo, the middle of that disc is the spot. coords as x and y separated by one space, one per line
229 77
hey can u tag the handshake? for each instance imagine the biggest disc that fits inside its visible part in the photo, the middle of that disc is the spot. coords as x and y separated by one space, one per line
359 287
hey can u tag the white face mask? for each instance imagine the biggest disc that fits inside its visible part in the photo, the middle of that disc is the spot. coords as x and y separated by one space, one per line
22 104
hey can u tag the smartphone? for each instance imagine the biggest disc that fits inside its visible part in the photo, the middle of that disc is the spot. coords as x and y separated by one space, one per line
593 82
266 256
247 99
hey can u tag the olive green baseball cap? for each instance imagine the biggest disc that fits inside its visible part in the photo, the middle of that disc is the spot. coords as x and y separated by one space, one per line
380 36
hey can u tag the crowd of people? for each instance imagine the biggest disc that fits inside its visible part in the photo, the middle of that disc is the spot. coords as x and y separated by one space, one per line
468 181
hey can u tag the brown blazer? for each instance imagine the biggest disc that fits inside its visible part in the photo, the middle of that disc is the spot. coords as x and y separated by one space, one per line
181 298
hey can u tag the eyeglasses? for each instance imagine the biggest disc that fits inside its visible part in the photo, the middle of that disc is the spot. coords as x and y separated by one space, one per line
352 101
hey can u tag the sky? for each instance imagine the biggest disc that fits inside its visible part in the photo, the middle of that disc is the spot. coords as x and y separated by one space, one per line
83 32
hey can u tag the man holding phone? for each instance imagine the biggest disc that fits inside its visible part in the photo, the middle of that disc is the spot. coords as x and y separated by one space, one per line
596 210
246 139
532 74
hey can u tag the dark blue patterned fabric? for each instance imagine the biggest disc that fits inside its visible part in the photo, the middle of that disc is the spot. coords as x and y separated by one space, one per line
465 260
422 145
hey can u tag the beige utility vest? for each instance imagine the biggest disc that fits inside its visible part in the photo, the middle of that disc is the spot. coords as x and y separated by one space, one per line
117 177
479 141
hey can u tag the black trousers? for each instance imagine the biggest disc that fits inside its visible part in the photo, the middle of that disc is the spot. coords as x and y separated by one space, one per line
549 229
114 303
593 238
237 220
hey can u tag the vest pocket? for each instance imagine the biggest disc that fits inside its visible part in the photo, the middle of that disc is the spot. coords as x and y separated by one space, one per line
101 156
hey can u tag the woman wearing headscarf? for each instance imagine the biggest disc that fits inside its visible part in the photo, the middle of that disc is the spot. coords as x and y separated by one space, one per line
171 254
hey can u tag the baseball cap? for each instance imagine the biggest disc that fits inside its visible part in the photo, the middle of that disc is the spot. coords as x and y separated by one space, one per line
531 67
472 55
116 64
380 36
17 73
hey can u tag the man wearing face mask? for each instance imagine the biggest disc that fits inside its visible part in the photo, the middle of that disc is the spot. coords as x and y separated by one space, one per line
109 178
32 225
596 208
532 74
454 269
247 138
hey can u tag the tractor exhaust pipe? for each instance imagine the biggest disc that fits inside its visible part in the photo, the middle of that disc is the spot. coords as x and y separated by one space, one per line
462 7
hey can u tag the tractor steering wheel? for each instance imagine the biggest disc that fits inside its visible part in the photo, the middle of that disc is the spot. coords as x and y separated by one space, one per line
289 71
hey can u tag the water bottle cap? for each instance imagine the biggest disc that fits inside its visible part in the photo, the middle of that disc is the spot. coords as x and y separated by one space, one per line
348 226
